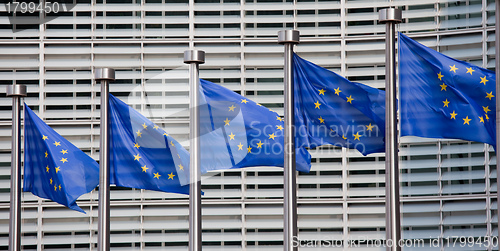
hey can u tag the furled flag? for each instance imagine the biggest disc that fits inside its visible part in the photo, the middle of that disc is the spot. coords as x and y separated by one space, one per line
142 155
330 109
54 168
236 132
442 97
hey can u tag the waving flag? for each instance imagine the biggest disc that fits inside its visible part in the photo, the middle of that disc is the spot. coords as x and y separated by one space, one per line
142 154
442 97
54 168
330 109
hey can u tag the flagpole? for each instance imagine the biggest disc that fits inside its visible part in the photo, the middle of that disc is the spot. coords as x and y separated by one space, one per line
16 92
288 38
497 74
390 17
194 58
104 75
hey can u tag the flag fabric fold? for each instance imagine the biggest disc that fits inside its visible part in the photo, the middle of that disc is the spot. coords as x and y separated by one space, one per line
330 109
442 97
236 132
54 168
142 155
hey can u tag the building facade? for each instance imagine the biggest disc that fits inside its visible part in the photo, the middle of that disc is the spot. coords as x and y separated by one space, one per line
448 186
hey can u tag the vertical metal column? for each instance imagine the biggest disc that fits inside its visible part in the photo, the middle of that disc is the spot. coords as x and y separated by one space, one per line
104 75
194 58
288 38
390 17
497 79
16 92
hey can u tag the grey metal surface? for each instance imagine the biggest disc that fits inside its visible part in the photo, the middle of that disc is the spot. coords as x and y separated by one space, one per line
194 58
392 204
16 91
104 75
497 75
289 38
390 15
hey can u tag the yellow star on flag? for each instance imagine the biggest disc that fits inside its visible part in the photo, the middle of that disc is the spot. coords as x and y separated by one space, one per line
45 137
484 80
46 154
259 145
139 133
171 176
490 95
165 134
55 188
350 99
369 127
356 136
272 136
145 126
481 119
317 104
453 68
47 168
244 101
64 160
156 127
279 118
57 169
443 87
445 103
137 157
136 145
466 120
486 116
486 109
144 168
453 115
181 167
172 143
64 151
322 92
249 149
321 120
227 121
469 70
231 136
59 187
343 136
231 108
337 91
57 143
279 127
51 181
157 175
440 76
240 147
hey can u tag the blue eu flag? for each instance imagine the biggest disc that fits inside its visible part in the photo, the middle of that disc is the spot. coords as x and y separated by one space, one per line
54 168
330 109
236 132
442 97
142 155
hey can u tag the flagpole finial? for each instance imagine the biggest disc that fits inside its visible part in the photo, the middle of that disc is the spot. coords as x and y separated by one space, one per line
194 56
390 15
105 74
16 90
288 36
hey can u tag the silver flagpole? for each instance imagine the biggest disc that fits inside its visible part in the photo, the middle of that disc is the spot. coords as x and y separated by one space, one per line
194 58
16 92
104 75
390 17
497 78
288 38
